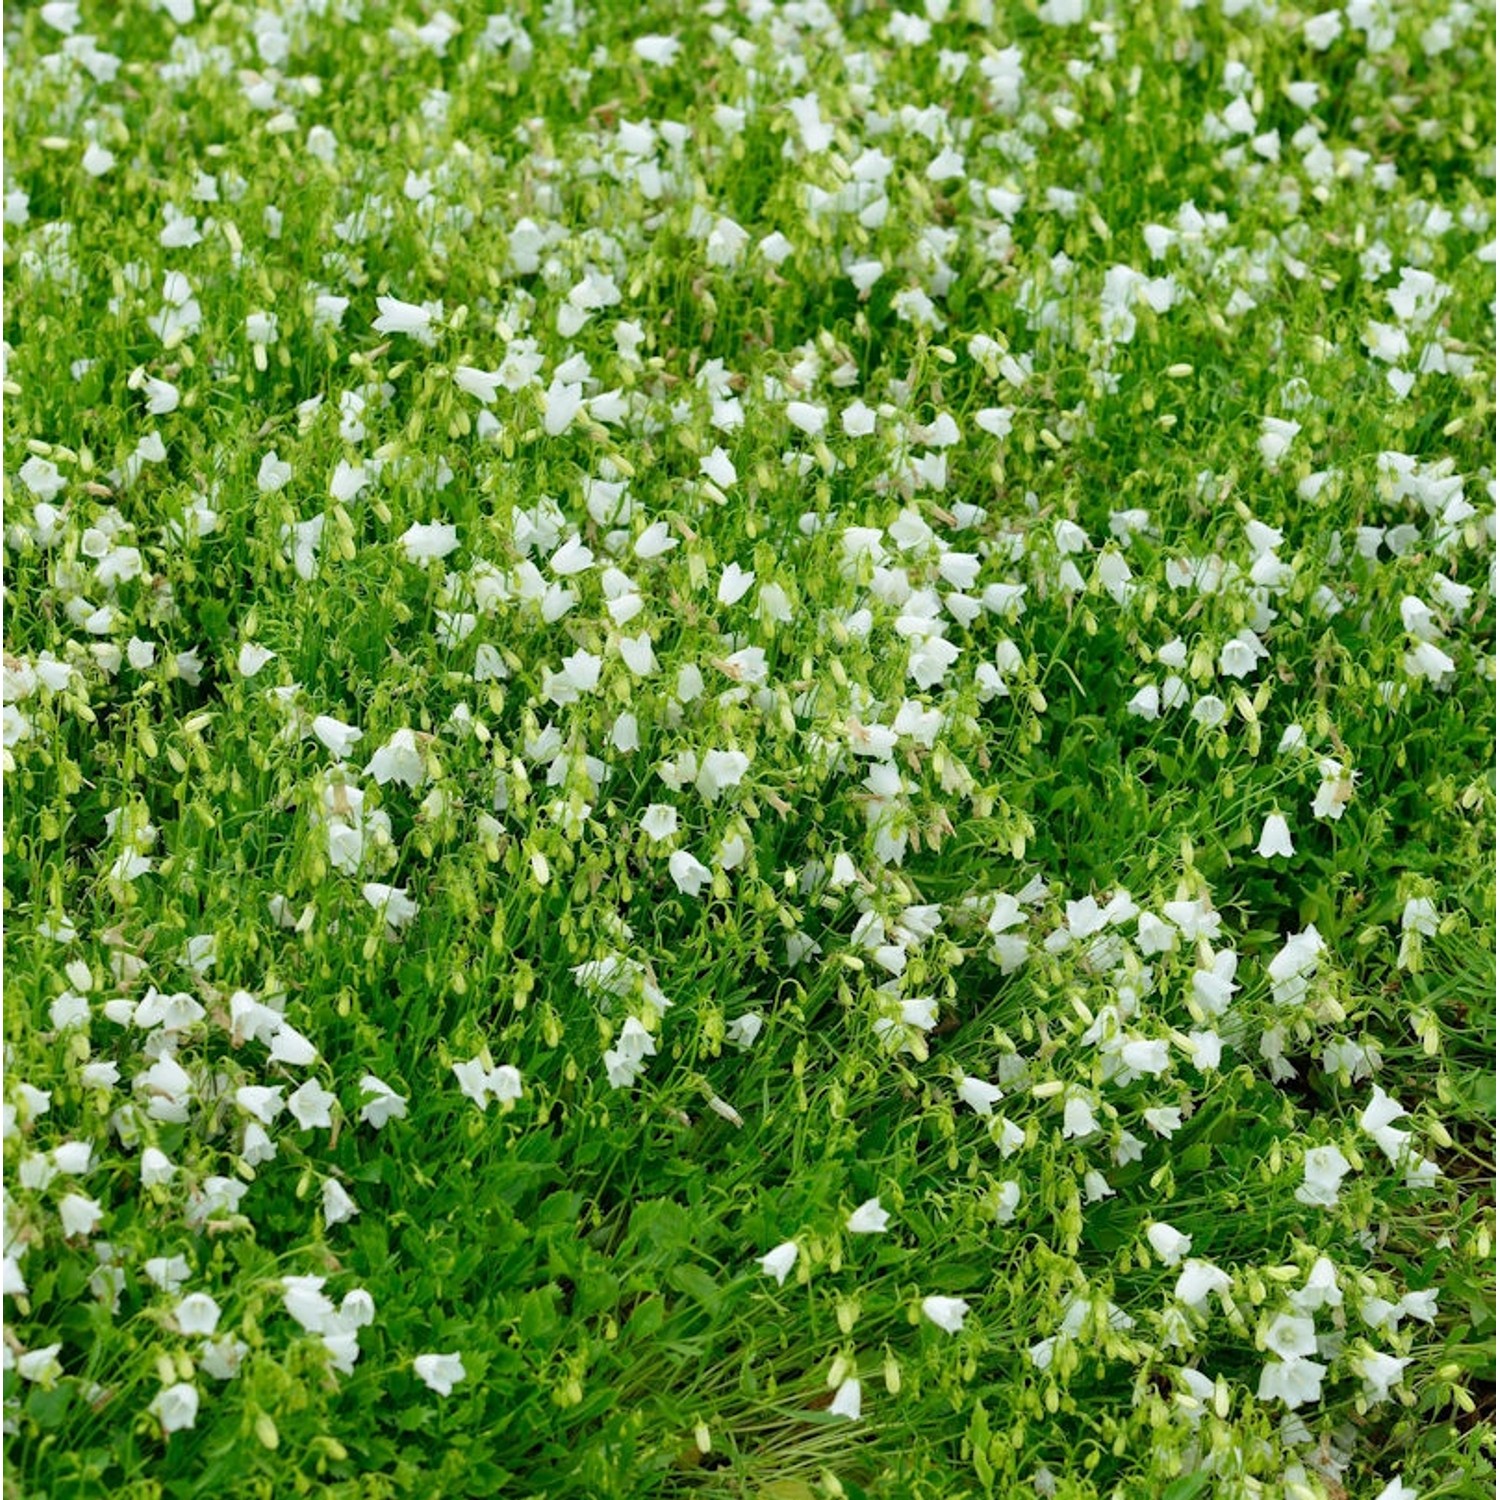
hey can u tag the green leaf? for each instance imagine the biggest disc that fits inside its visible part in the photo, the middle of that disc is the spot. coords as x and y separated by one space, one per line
1186 1486
538 1319
698 1284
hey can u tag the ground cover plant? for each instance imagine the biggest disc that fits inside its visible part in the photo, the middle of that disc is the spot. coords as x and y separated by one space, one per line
748 749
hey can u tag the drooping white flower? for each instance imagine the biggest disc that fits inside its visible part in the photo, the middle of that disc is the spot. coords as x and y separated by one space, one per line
40 1365
197 1313
980 1096
223 1357
1291 1337
156 1167
263 1102
743 1030
252 658
329 310
1007 1201
430 541
1170 1244
1428 660
625 1061
571 558
1207 1049
846 1400
440 1372
1276 434
806 417
719 468
660 51
338 1206
61 15
300 541
339 738
659 821
42 477
256 1145
869 1218
162 396
689 874
1078 1116
382 1103
948 1313
1379 1372
1210 711
79 1215
304 1300
1381 1113
167 1272
36 1171
1323 1168
347 481
637 654
288 1045
481 384
1420 915
734 583
1335 790
1275 838
176 1407
721 771
397 316
481 1081
779 1262
399 759
1293 1382
311 1106
1321 31
73 1158
343 1349
392 902
560 404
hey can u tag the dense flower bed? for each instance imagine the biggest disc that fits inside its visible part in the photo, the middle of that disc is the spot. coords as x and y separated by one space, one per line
749 749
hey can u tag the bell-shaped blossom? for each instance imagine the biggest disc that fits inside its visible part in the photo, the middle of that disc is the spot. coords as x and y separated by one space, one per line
980 1096
396 316
779 1262
398 909
382 1103
311 1106
1275 838
399 759
1169 1243
176 1407
869 1218
439 1372
1323 1168
338 1206
339 738
948 1313
688 873
481 1081
197 1313
1199 1280
429 541
1293 1382
79 1215
1291 1336
1380 1372
846 1400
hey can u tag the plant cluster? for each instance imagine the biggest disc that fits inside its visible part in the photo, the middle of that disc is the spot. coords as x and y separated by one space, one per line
748 749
